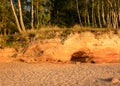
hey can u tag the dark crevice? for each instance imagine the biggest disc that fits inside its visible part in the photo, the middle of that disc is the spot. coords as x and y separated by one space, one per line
82 56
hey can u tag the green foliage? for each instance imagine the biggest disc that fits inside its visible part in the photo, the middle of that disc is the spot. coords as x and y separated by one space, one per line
42 10
62 13
14 41
65 33
7 23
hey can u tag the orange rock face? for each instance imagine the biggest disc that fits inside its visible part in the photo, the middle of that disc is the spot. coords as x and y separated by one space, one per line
106 55
104 48
6 54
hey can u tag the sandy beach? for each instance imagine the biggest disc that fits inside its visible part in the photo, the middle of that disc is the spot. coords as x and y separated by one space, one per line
47 74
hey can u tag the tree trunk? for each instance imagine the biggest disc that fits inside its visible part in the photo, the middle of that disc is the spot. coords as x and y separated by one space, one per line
108 17
78 12
88 19
32 15
21 17
118 10
118 4
98 12
38 21
17 22
93 23
116 14
85 20
103 14
87 13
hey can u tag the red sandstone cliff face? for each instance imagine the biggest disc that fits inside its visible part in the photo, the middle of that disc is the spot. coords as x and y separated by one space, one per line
6 54
110 55
103 47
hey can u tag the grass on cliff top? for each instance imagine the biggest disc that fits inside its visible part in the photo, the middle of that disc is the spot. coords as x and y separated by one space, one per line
23 39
